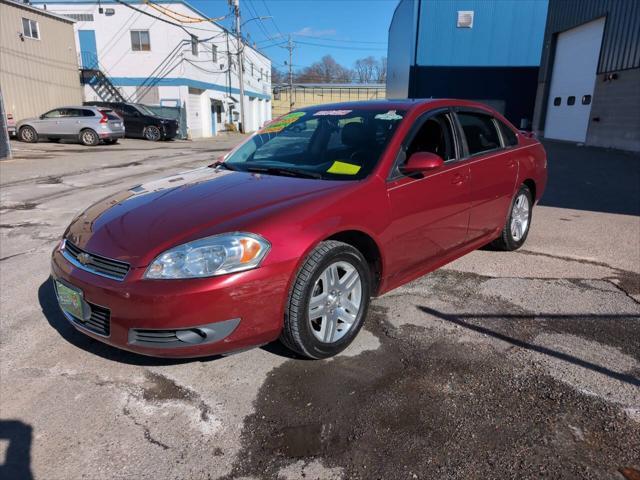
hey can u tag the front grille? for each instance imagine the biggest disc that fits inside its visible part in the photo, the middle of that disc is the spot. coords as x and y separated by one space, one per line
99 322
106 267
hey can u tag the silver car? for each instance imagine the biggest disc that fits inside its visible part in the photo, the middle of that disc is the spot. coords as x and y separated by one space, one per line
89 125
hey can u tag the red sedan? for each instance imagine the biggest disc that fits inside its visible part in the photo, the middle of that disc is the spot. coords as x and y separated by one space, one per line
291 233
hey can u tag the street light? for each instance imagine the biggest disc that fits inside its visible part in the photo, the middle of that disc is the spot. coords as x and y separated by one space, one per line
255 18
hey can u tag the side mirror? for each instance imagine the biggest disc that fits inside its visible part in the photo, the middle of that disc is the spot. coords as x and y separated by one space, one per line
421 162
42 117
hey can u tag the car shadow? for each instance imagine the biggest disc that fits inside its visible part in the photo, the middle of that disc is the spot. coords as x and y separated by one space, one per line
592 178
17 459
460 321
51 311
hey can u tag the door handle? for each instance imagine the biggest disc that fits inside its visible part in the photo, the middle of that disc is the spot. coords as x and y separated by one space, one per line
511 163
457 179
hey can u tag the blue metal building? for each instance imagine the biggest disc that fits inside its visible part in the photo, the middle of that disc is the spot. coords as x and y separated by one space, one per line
486 50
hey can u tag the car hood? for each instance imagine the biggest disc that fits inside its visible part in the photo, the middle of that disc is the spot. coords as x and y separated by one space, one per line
137 224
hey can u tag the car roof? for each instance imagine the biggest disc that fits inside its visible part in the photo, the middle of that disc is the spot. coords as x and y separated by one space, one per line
398 104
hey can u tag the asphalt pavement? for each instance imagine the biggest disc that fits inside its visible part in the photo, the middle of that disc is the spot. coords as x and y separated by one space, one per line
499 365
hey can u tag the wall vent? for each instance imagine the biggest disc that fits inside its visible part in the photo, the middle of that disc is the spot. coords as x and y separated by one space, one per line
465 19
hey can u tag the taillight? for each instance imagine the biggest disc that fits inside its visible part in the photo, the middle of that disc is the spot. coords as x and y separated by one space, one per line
104 118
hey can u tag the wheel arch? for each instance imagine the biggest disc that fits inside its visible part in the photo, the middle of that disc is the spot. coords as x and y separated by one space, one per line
531 185
369 249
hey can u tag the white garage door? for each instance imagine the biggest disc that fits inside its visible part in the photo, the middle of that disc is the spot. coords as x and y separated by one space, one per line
572 82
194 113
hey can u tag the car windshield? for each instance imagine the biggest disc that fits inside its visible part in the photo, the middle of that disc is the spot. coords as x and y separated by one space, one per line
344 144
144 110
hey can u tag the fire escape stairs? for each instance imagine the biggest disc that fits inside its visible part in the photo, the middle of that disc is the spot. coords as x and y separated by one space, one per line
101 84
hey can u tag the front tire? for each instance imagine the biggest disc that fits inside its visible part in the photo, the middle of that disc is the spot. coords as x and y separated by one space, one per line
516 229
89 138
328 302
28 134
152 133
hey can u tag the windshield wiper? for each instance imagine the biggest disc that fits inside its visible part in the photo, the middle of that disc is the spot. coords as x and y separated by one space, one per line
224 165
290 172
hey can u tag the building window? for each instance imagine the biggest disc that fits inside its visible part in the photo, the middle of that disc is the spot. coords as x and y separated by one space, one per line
586 99
194 45
571 100
214 53
557 101
252 69
30 28
140 41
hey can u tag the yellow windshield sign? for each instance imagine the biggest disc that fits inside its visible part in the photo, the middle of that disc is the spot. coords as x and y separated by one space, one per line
343 168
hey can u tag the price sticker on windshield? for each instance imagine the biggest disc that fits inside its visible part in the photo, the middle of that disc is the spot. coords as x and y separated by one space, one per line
281 123
333 113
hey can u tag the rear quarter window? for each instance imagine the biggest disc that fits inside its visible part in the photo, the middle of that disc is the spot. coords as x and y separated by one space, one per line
88 113
509 136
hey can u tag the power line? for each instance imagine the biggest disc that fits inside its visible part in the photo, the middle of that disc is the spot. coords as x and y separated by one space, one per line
340 47
272 19
325 39
122 2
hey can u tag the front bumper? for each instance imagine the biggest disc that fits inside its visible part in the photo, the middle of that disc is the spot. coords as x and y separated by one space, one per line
240 310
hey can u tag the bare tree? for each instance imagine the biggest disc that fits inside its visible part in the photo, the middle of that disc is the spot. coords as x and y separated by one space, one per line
370 70
327 70
365 69
277 77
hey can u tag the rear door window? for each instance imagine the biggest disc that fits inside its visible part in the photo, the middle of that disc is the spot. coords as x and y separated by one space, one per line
480 132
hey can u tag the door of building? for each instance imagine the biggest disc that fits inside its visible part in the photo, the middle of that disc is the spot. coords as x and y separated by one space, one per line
88 49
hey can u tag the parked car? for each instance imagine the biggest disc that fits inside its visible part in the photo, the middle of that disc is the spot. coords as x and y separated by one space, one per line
11 125
140 122
290 234
88 125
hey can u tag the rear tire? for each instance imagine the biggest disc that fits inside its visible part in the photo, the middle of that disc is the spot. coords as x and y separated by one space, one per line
152 133
89 138
28 134
518 223
337 277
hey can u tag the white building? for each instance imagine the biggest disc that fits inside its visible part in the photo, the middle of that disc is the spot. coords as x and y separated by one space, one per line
186 60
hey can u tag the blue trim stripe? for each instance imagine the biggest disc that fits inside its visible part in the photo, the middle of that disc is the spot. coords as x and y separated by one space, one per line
180 82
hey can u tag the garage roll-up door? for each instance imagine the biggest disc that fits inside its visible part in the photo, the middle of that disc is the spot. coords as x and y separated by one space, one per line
572 82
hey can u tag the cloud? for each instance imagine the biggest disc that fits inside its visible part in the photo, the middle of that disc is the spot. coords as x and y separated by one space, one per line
311 32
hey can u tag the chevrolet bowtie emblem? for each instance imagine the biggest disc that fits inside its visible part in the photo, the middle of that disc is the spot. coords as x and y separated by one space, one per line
84 258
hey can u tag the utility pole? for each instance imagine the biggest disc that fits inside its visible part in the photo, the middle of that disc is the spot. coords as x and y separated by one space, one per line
236 11
290 48
5 145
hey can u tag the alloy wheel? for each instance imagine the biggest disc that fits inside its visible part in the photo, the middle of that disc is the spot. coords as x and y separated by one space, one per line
520 217
152 134
336 299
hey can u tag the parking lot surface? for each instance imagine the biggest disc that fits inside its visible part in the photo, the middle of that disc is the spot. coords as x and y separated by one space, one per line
499 365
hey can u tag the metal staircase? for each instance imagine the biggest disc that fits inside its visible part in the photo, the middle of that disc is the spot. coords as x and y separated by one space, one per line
92 74
101 84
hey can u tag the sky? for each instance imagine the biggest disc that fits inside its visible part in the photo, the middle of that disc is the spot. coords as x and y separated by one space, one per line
345 29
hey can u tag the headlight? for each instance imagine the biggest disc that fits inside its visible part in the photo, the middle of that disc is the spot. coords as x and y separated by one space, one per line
210 256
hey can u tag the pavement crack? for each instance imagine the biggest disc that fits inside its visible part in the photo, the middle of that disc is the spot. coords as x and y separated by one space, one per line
145 430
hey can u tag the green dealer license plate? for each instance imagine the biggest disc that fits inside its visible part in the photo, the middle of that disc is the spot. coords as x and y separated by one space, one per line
70 300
